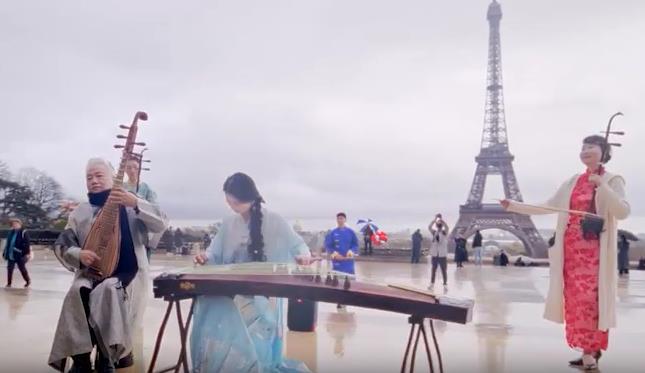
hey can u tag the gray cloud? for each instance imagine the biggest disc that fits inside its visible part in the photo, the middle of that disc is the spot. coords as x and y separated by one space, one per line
373 107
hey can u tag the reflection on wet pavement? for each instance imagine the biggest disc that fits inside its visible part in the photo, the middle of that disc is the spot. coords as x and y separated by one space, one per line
507 334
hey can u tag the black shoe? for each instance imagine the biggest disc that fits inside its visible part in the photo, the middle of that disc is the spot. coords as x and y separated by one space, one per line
578 362
125 362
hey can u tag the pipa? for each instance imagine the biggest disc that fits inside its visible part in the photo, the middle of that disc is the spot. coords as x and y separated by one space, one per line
104 237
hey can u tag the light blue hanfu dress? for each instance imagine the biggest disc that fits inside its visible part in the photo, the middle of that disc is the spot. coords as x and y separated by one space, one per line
245 333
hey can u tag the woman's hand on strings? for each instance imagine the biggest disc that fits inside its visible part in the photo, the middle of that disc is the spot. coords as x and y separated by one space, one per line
305 260
200 259
505 203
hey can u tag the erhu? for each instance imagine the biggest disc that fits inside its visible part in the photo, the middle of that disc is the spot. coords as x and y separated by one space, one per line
104 237
592 225
139 158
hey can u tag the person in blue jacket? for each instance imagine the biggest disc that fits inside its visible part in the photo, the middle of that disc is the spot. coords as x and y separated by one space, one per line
341 245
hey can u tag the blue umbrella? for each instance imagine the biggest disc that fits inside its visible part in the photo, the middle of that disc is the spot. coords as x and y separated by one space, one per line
367 223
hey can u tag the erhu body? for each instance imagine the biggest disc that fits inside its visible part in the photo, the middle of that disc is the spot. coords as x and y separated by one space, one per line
592 225
104 237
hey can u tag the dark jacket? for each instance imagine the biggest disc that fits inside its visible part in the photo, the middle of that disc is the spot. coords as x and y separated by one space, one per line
416 241
461 255
477 240
503 259
21 247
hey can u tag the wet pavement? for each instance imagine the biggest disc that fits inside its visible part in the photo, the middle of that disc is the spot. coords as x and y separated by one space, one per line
507 333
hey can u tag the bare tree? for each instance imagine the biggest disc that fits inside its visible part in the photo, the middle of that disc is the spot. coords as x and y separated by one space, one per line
5 173
47 192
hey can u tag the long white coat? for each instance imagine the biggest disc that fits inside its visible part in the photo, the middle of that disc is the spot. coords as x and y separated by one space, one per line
612 206
72 333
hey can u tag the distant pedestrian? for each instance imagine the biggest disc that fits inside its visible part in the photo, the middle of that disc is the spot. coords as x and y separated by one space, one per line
623 255
477 247
178 241
439 249
503 259
17 251
367 239
461 254
417 238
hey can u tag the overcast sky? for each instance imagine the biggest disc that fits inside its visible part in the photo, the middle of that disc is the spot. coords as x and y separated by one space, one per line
371 107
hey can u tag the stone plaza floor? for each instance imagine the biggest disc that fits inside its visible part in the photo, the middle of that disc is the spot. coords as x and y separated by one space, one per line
507 333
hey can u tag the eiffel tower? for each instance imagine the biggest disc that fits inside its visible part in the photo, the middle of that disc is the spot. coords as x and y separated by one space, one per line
495 159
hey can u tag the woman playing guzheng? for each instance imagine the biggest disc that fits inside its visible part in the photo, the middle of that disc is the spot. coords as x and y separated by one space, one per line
583 278
245 333
103 313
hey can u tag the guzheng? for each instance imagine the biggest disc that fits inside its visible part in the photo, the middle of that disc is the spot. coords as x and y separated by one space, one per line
289 281
292 281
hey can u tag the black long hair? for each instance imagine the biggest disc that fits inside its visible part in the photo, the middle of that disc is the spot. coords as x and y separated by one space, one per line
243 188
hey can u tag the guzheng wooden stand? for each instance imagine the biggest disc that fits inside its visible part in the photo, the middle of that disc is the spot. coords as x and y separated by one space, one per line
183 334
174 288
417 324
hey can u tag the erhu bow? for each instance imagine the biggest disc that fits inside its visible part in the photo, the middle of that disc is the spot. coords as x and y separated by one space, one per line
104 237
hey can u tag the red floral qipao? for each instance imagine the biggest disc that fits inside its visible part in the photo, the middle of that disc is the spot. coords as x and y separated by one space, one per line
581 265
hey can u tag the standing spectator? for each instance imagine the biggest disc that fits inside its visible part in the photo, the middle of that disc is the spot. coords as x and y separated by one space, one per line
439 249
367 239
477 247
503 258
206 241
178 241
17 251
461 255
623 255
417 238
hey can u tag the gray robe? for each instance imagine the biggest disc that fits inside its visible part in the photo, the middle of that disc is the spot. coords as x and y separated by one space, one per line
115 312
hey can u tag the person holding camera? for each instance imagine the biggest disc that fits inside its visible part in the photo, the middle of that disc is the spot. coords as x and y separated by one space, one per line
439 249
583 278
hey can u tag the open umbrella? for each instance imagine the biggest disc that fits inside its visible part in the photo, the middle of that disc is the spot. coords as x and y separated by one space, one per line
367 223
628 235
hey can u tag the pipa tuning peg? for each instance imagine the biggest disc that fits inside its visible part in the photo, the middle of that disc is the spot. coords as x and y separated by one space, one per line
119 146
142 115
121 136
140 143
124 127
146 160
615 144
145 169
619 133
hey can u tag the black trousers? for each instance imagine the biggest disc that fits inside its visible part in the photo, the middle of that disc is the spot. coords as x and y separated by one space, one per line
368 246
442 262
416 254
11 265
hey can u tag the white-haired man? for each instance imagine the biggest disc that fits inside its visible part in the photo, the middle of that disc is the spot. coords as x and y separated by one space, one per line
104 313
